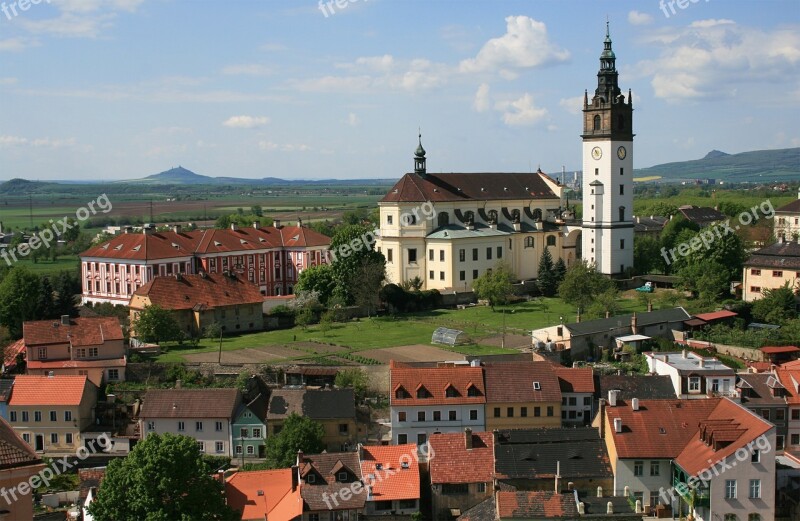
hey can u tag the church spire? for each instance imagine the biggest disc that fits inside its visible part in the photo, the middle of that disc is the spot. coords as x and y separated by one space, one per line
607 76
419 159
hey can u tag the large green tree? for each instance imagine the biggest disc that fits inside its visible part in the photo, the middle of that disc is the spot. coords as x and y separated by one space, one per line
155 324
776 305
357 267
18 299
546 276
298 433
706 279
164 478
495 285
647 255
317 278
582 284
354 378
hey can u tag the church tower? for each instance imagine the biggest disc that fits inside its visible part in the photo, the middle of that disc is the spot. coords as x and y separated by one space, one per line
607 226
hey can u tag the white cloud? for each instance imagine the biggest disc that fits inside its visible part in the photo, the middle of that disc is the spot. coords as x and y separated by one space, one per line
247 69
8 81
246 121
383 63
287 147
352 120
17 44
89 6
573 105
80 18
45 142
521 112
481 102
273 47
525 45
638 18
372 73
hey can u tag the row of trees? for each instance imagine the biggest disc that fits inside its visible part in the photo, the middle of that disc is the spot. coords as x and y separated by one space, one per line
25 296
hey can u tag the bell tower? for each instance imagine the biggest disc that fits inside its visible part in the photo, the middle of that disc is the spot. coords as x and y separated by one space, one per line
608 171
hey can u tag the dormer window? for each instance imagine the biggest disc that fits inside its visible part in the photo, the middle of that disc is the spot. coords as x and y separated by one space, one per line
422 392
401 393
537 386
311 478
451 392
473 391
342 477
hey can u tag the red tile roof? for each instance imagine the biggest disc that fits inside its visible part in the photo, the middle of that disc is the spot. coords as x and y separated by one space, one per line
794 364
480 186
659 429
774 350
727 428
516 382
393 481
716 315
80 332
790 379
264 494
48 390
576 379
11 351
147 246
536 505
436 380
76 364
190 403
452 462
14 452
203 291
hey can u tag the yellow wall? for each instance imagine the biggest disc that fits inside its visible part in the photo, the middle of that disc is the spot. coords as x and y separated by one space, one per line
520 422
766 280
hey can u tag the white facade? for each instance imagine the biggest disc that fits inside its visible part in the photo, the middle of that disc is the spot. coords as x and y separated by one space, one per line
693 376
644 476
213 435
576 408
413 428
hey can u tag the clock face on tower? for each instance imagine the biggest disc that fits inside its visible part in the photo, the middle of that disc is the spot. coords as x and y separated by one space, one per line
621 152
597 153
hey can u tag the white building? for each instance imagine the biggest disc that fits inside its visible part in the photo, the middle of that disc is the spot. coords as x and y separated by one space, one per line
692 375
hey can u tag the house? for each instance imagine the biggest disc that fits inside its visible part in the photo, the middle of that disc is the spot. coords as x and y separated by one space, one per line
770 268
332 486
427 399
391 473
659 447
334 409
271 257
787 220
461 471
18 464
51 412
701 215
90 480
652 226
91 346
765 395
203 414
249 428
649 387
549 505
577 394
197 301
265 494
310 375
779 355
790 379
568 458
522 395
693 376
6 384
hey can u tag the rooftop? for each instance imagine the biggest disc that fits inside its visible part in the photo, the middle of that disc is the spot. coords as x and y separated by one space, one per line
14 452
441 385
636 386
264 494
77 332
687 361
760 389
716 315
455 463
521 382
326 469
315 404
48 390
576 379
190 403
781 255
394 470
600 325
200 292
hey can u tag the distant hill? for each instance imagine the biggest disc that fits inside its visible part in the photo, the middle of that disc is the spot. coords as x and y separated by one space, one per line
754 166
184 176
177 175
22 186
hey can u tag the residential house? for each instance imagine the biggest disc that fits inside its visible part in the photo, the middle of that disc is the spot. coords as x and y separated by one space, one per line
522 395
770 268
90 480
780 355
567 458
787 220
765 395
392 474
203 414
265 494
93 347
693 376
198 301
332 486
51 412
702 216
790 379
549 506
249 428
271 257
656 446
6 384
577 394
427 399
642 386
335 409
652 226
18 464
461 471
310 375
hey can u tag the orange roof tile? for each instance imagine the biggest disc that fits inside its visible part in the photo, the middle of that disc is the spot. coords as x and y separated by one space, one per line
436 380
83 331
146 246
76 364
208 290
774 350
794 364
11 351
576 379
536 505
716 315
264 494
516 382
393 481
452 462
790 379
48 390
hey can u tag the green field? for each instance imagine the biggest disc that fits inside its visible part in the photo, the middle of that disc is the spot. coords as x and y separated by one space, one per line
63 263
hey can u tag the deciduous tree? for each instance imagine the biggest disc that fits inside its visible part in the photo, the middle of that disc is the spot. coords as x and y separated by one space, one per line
156 324
298 433
495 285
582 284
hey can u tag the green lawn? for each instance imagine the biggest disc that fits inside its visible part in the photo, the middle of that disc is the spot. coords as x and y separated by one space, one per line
62 263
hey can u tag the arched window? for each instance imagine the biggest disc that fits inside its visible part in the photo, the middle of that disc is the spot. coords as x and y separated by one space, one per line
444 219
597 122
621 213
529 242
493 216
551 240
537 214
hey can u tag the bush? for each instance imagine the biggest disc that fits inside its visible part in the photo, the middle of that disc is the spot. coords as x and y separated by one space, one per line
281 311
399 300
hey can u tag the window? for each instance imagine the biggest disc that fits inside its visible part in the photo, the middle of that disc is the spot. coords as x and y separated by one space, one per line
311 478
473 414
655 468
113 374
462 275
777 273
389 255
587 400
151 426
454 489
80 352
481 487
596 123
474 254
573 401
437 416
256 432
26 437
342 477
796 414
412 255
37 416
401 416
474 274
423 393
42 352
462 255
238 449
25 416
550 410
489 253
621 189
54 438
537 412
621 213
730 489
780 414
12 416
441 275
621 171
779 441
181 427
754 517
441 255
53 416
499 252
430 255
420 416
218 426
551 240
638 468
694 384
451 416
68 438
402 439
596 172
201 446
93 351
523 412
622 244
571 415
382 506
407 503
754 271
529 242
388 219
794 440
510 412
755 456
765 414
421 439
755 289
430 274
537 386
198 426
497 412
755 488
219 447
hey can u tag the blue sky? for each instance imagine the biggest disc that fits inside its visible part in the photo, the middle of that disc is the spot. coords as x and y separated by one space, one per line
120 89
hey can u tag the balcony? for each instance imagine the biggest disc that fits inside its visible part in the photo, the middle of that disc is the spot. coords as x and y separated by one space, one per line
702 495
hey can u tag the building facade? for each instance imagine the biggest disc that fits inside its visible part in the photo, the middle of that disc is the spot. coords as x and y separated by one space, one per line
522 395
334 409
694 376
770 268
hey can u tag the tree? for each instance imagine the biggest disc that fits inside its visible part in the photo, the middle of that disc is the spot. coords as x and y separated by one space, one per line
671 231
319 279
257 210
560 269
412 284
365 284
304 317
604 303
66 286
164 478
156 324
582 283
18 301
495 285
705 279
647 255
298 433
776 306
46 304
355 256
546 276
355 378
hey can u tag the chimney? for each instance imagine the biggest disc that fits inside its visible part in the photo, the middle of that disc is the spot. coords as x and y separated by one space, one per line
299 222
638 506
581 508
570 485
608 314
602 406
148 228
64 320
635 404
295 477
128 229
683 353
299 458
649 306
276 223
177 228
234 227
618 425
178 385
255 225
627 491
468 438
666 359
612 397
558 476
634 324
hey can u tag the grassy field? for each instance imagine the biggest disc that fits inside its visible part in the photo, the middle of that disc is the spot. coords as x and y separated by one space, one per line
63 263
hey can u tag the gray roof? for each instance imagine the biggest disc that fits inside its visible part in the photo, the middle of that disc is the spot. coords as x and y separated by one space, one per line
190 403
691 364
315 404
453 231
647 387
760 389
600 325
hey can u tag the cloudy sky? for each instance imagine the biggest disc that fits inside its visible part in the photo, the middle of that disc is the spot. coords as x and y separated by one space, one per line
116 89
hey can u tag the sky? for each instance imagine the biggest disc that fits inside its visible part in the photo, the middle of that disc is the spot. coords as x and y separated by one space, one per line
302 89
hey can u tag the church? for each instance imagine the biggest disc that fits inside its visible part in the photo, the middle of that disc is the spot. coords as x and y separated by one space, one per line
448 229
